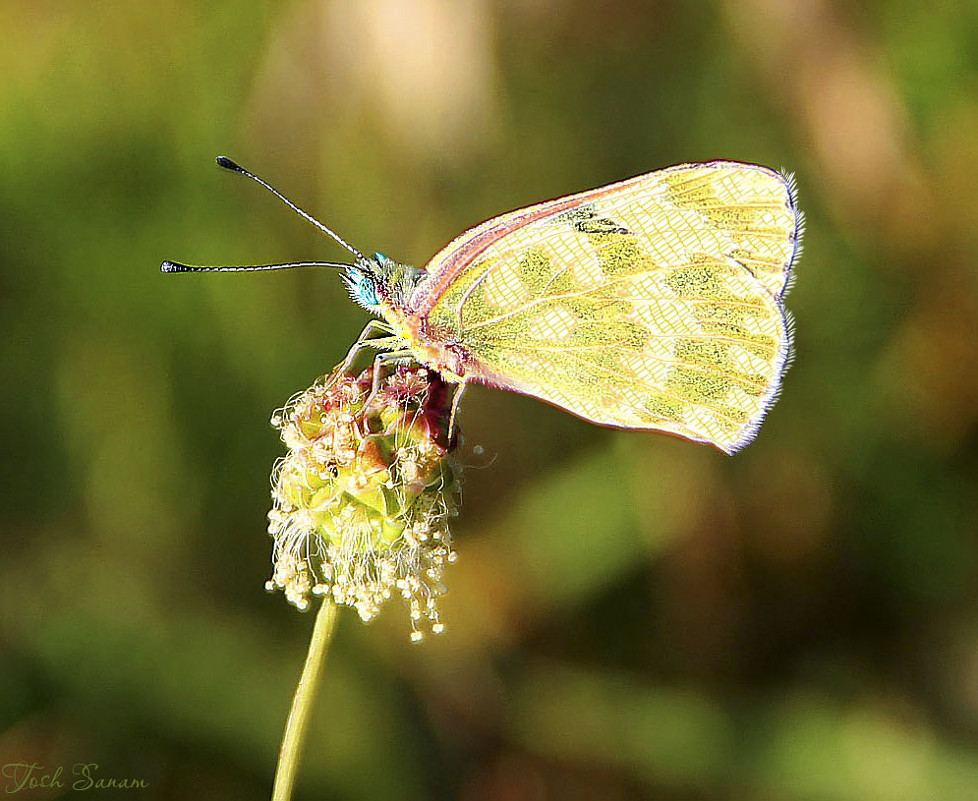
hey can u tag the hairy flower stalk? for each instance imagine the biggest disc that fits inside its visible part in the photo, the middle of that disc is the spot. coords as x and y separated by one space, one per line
362 500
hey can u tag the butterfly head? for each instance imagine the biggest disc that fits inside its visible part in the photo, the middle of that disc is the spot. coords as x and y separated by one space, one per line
378 281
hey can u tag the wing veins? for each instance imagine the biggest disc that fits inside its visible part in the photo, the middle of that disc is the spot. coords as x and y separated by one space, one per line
719 204
584 292
636 299
535 302
658 390
600 346
734 377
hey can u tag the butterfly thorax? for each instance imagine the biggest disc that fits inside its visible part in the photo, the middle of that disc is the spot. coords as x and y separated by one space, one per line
384 287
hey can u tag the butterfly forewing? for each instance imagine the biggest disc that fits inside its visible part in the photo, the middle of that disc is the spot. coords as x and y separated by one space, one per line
752 207
653 303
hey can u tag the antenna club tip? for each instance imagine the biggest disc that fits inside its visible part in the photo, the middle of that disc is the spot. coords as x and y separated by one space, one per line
228 164
173 267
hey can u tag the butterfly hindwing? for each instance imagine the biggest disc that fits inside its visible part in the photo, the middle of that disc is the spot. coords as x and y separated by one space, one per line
651 304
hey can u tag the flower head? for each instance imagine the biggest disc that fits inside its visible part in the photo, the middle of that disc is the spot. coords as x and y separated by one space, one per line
362 500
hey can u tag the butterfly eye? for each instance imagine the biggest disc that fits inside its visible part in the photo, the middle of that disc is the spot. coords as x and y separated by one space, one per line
362 288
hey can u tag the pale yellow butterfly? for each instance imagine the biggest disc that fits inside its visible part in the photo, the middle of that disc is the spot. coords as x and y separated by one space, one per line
654 303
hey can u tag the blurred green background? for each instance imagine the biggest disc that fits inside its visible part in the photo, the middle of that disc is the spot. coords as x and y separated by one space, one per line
631 616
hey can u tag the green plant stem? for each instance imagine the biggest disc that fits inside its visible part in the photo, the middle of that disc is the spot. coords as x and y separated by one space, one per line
305 696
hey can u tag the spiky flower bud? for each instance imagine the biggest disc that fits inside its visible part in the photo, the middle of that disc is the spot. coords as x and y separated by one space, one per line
362 500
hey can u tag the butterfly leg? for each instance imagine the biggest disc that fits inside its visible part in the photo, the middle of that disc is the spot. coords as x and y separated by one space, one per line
392 357
455 401
364 341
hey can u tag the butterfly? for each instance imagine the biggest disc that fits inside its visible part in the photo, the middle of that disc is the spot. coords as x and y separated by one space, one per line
654 303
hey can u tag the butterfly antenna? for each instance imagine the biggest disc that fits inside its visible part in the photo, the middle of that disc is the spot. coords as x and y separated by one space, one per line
227 164
176 267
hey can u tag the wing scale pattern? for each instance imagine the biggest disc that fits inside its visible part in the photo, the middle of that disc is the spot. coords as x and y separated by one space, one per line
654 303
